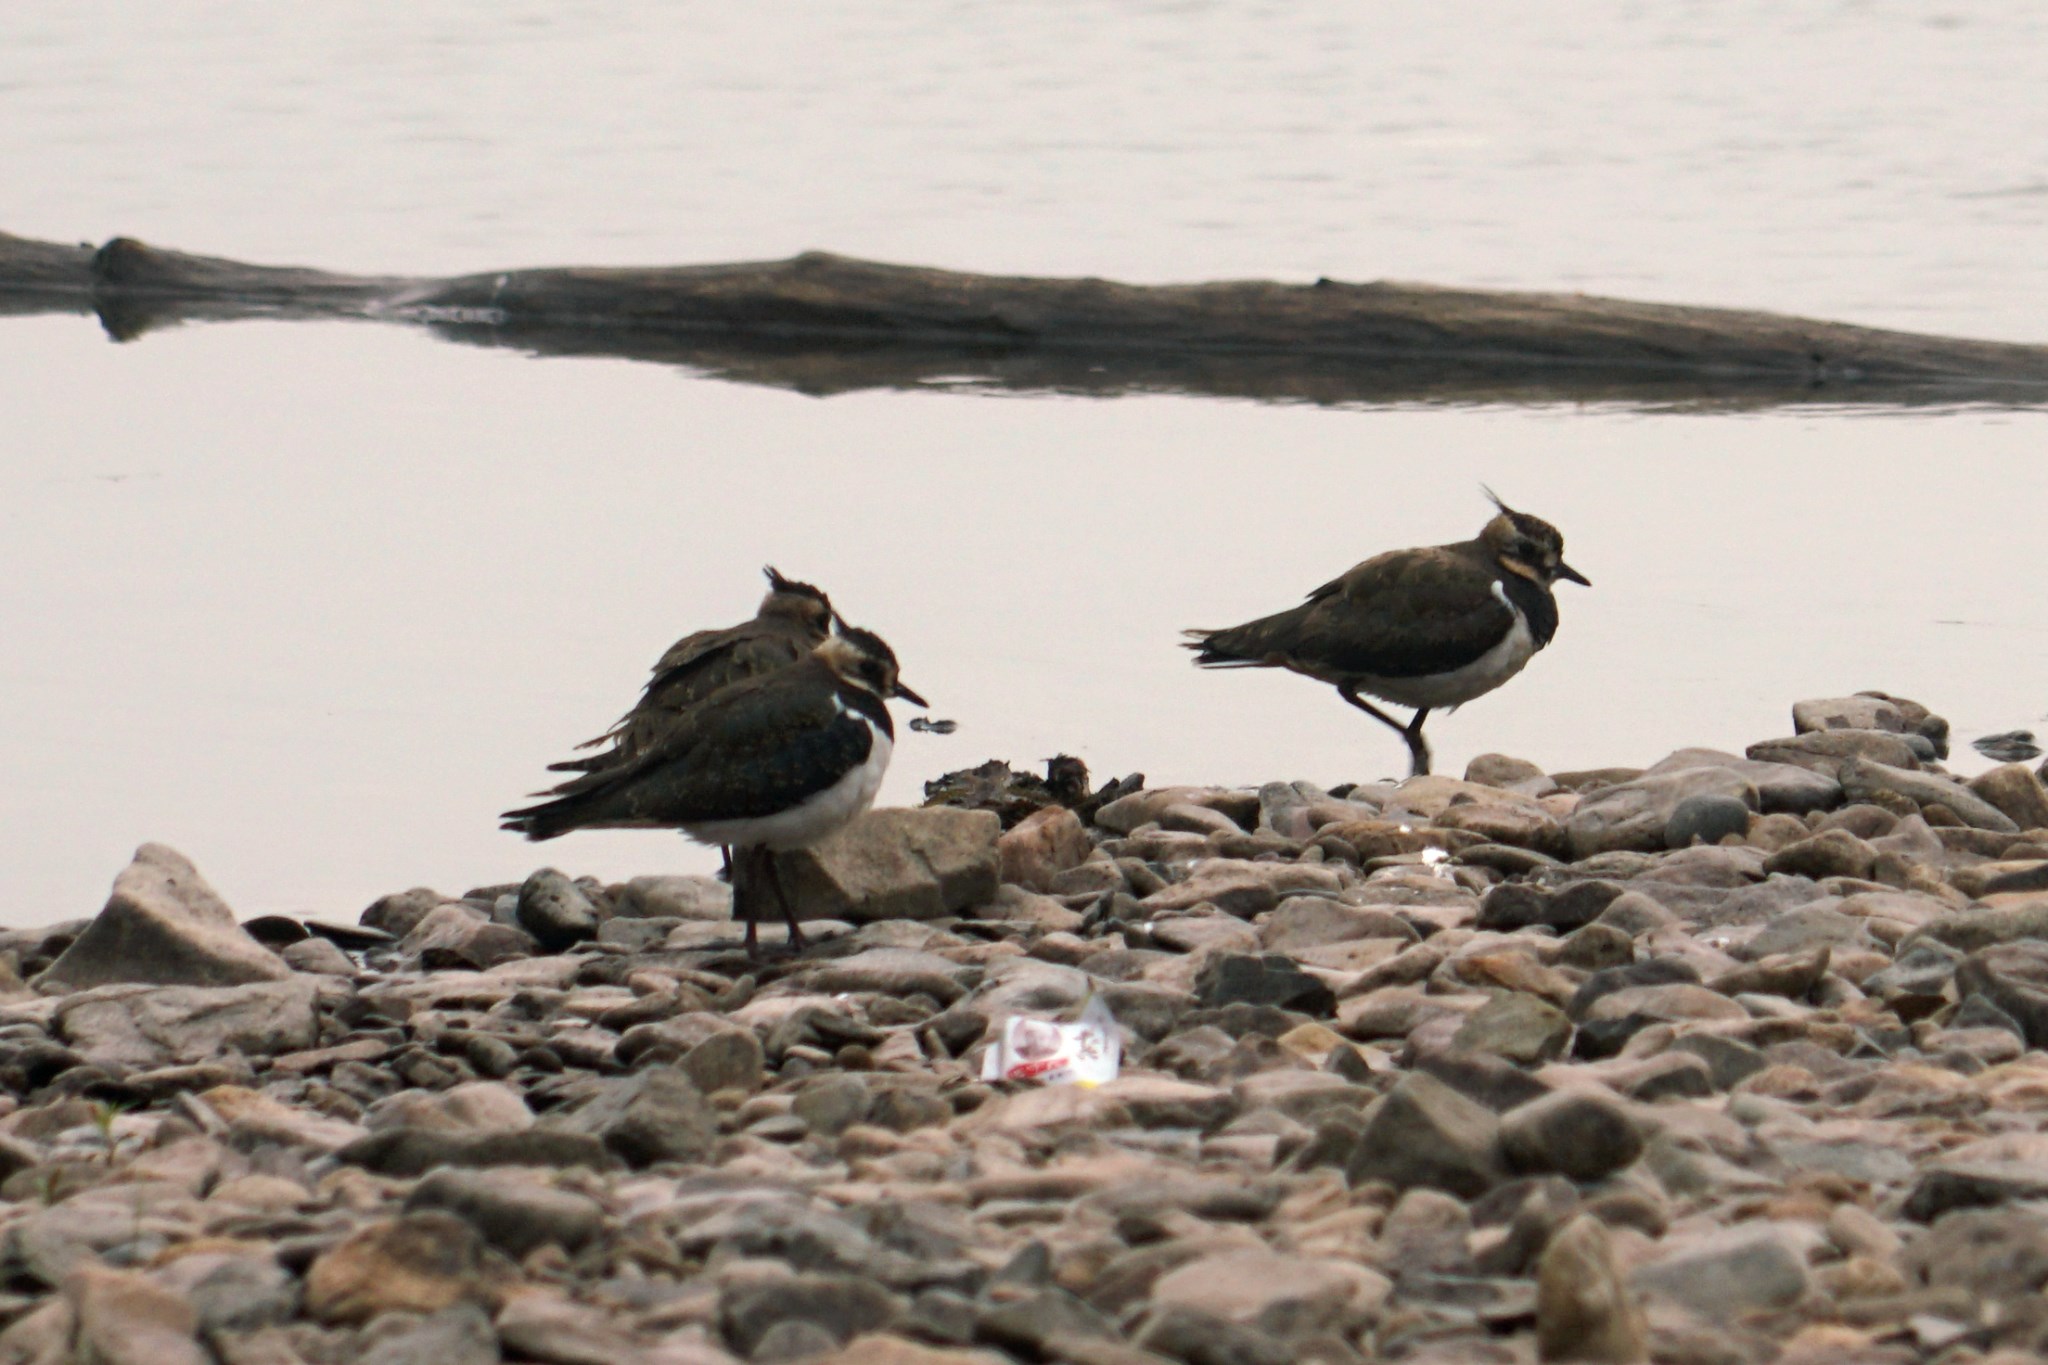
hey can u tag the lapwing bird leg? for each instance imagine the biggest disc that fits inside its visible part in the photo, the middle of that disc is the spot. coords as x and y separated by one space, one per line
744 902
1411 733
797 942
1418 747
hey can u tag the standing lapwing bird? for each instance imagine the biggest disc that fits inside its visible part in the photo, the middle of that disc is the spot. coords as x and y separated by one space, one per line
1428 628
764 765
793 619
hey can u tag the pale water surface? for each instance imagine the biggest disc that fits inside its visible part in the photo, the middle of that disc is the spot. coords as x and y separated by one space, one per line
314 602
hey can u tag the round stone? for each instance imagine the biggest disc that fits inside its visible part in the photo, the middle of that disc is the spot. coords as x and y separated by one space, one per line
1708 817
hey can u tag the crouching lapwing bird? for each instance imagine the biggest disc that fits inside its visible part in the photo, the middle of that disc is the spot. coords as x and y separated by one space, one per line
792 620
1428 628
764 765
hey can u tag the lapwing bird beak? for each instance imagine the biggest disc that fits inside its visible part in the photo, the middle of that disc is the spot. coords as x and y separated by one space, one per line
908 695
1565 570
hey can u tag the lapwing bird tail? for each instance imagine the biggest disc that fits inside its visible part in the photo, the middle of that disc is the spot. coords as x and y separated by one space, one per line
548 820
1245 646
1209 653
594 801
577 803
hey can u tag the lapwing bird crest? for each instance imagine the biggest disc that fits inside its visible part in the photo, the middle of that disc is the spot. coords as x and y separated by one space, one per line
792 620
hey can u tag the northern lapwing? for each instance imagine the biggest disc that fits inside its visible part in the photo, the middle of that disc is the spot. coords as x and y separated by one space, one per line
1428 628
792 620
764 765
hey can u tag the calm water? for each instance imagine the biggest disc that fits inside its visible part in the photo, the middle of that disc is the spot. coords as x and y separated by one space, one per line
314 602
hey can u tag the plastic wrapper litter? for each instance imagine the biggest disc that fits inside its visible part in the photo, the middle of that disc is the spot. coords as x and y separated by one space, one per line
1088 1051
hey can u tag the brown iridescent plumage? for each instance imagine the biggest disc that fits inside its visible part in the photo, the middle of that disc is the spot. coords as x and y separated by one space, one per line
1429 627
793 619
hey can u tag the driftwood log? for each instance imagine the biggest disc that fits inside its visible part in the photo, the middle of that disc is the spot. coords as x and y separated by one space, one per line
827 324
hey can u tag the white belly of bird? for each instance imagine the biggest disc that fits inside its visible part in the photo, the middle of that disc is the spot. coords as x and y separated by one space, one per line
1461 685
812 818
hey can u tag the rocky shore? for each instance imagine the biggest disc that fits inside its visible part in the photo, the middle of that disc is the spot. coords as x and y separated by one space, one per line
1731 1059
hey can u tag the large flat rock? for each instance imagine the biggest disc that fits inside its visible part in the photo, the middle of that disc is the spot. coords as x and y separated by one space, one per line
897 864
133 1025
165 926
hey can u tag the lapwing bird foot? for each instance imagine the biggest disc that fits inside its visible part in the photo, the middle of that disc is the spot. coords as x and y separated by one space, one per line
796 945
1411 733
777 952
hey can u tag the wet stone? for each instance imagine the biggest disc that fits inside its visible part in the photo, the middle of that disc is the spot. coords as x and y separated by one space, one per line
420 1263
164 925
1863 780
1945 1186
1500 770
1520 905
1860 712
1577 1134
1422 1132
731 1059
1584 1309
677 898
1041 846
1831 853
512 1210
1804 930
461 1335
831 1104
126 1318
135 1025
1669 1075
1733 1271
2013 979
1708 818
1648 972
1596 947
654 1116
1634 815
897 864
1305 922
841 1306
1992 1254
2008 746
317 955
1493 1081
398 913
1729 1061
1517 1028
1269 979
556 911
1824 751
2015 790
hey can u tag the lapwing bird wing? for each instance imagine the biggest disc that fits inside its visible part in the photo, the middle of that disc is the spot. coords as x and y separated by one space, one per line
792 620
